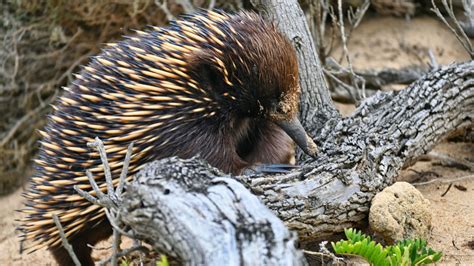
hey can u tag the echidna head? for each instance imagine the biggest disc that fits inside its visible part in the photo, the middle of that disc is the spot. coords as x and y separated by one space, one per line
255 74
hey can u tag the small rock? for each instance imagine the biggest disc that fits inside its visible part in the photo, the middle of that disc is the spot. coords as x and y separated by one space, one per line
400 212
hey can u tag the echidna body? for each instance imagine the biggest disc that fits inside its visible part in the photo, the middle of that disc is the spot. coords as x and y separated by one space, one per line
218 85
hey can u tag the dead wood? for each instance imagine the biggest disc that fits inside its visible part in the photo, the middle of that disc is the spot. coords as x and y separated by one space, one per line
189 210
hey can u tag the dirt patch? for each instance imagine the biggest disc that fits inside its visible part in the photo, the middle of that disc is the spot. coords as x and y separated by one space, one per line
9 244
451 202
389 42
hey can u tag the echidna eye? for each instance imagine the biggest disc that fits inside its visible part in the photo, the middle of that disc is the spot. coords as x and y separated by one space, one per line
279 109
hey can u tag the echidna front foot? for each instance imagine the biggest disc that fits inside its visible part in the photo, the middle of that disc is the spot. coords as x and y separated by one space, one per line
270 169
81 245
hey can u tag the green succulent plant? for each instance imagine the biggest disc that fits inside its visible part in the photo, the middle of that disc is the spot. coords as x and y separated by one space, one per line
406 252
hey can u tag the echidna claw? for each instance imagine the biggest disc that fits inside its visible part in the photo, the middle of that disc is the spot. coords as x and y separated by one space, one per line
270 169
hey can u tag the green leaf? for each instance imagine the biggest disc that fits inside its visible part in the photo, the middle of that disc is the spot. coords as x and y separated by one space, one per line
357 247
381 258
368 251
375 253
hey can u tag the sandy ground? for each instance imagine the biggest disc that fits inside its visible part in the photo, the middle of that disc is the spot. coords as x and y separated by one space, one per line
378 42
452 203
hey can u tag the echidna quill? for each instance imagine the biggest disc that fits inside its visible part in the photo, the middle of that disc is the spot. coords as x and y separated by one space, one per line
219 85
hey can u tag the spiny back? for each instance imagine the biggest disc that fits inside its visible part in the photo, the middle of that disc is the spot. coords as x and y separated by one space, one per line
169 90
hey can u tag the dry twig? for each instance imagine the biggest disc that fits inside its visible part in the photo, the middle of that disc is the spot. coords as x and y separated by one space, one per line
449 161
444 181
66 244
468 26
356 86
457 28
325 253
110 201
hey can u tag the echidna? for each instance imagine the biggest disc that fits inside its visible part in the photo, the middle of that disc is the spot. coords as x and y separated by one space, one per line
219 85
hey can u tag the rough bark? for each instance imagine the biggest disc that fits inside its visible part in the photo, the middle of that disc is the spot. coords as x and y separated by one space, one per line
186 211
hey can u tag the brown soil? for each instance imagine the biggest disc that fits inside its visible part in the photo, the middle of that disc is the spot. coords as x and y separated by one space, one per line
378 42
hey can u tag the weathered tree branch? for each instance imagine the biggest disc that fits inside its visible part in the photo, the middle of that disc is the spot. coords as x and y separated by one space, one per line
378 78
184 209
374 80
